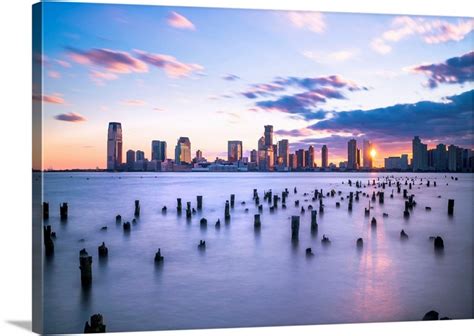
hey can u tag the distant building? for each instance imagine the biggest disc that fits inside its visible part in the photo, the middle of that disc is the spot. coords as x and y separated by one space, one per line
300 159
310 157
130 159
158 150
367 158
199 155
440 158
182 151
292 161
452 158
352 154
396 162
324 157
234 150
140 155
419 154
253 156
114 146
284 151
268 135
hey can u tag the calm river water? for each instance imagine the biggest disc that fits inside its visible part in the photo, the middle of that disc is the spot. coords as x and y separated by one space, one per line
249 278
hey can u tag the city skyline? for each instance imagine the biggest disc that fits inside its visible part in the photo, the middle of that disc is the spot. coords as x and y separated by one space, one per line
404 76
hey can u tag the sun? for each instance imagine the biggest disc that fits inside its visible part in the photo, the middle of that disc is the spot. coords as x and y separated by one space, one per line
373 152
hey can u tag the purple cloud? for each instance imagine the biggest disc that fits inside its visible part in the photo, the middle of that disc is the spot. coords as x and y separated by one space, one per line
455 70
70 117
230 77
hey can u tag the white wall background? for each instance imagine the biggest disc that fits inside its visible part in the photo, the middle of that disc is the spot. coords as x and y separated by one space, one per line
15 162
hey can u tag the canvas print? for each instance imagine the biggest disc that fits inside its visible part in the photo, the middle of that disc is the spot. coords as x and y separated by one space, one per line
214 168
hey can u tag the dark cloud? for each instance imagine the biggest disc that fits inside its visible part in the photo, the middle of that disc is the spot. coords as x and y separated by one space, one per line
70 117
455 70
316 91
451 119
230 77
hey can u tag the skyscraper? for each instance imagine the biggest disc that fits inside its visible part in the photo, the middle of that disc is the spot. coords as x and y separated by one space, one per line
352 154
367 158
300 158
268 135
452 158
114 146
310 157
130 159
440 158
158 150
140 155
253 156
324 156
182 151
420 155
234 150
284 151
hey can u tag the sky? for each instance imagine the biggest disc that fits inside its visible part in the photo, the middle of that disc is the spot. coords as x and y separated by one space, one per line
215 75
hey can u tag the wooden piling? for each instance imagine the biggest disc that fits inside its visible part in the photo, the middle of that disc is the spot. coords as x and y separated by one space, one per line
45 210
85 265
256 222
450 206
137 208
48 241
63 208
199 202
295 227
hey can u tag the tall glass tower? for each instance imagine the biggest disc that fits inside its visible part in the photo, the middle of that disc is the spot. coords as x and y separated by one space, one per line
114 146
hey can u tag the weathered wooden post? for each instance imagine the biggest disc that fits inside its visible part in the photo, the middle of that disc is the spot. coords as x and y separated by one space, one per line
232 200
48 241
283 198
63 211
179 207
373 222
188 210
137 208
403 235
406 213
438 243
202 244
381 197
227 211
203 222
321 206
434 183
314 223
405 193
256 221
199 202
45 210
96 326
158 257
295 227
126 227
255 194
450 206
103 250
85 265
360 243
275 201
118 219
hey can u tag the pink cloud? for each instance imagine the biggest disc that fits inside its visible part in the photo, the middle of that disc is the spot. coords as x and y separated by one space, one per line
99 77
52 99
179 21
172 67
63 63
431 31
112 60
134 102
70 117
54 74
312 21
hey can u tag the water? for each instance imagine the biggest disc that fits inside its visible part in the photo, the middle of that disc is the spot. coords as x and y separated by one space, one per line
249 278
